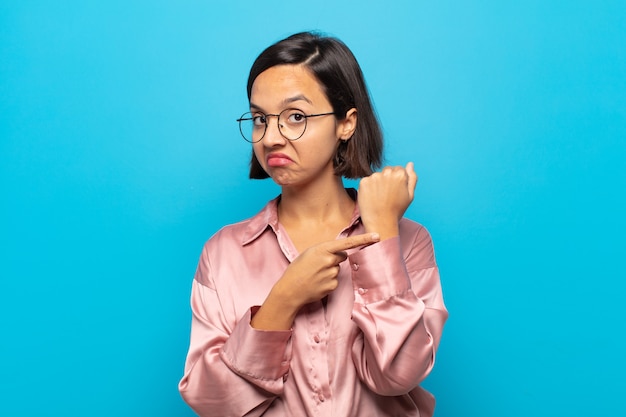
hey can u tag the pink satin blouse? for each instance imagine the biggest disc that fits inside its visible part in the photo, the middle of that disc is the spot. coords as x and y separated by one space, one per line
361 353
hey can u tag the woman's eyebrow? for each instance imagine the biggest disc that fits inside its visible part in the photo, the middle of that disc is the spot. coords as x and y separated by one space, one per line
284 103
255 107
299 97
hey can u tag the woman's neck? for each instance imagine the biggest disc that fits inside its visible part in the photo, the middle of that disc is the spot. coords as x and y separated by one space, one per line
316 204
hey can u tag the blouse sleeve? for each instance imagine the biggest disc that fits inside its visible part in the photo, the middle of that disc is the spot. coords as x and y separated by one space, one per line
231 369
400 311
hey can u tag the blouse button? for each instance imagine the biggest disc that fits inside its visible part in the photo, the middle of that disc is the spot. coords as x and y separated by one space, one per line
321 398
316 339
361 291
355 267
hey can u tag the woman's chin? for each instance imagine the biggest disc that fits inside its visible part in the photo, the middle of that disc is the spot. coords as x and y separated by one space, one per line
281 179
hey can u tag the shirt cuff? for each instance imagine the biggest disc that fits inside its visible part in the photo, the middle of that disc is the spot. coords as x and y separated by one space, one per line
379 272
257 354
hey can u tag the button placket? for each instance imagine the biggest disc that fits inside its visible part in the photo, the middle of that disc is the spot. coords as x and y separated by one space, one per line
318 358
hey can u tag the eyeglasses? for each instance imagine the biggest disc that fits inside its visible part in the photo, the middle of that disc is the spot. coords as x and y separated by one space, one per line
291 124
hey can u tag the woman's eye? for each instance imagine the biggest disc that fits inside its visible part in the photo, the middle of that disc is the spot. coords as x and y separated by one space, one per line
258 120
296 117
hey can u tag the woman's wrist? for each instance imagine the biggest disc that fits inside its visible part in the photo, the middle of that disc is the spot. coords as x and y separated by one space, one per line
386 229
274 314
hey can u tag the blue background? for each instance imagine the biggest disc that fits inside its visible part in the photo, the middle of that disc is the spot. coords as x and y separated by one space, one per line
120 156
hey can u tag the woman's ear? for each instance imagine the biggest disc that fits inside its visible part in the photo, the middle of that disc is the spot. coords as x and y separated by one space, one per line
347 126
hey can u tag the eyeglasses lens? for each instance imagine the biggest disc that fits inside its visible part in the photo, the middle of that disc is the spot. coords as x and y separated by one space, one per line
291 124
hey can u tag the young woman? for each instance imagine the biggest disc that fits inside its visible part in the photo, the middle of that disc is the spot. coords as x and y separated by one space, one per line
327 302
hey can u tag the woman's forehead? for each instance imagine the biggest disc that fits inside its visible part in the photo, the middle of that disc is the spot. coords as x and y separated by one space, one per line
284 85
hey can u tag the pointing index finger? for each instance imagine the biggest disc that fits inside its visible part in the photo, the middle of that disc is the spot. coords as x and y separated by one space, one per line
352 242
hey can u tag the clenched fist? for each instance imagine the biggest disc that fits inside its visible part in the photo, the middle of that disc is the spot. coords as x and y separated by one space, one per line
384 197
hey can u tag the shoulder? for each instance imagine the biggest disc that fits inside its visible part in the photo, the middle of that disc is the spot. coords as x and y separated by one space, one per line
412 230
416 243
222 246
228 236
245 231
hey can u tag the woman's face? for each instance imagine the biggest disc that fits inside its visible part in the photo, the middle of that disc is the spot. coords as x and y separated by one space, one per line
293 163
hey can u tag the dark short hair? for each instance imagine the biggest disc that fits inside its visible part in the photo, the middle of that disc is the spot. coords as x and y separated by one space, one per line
341 78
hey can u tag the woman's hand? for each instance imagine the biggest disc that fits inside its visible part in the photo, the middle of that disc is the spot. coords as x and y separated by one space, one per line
310 277
384 197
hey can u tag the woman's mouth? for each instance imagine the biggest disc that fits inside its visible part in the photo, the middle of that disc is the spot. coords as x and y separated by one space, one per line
278 160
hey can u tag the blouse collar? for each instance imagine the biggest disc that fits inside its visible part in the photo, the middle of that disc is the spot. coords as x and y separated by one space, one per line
268 217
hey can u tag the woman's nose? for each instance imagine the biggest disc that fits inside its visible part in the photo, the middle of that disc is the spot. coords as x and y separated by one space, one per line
273 136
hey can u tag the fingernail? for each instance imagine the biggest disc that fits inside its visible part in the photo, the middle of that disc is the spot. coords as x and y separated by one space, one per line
375 236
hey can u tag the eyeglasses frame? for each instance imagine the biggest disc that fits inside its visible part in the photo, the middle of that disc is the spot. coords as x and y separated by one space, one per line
267 116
